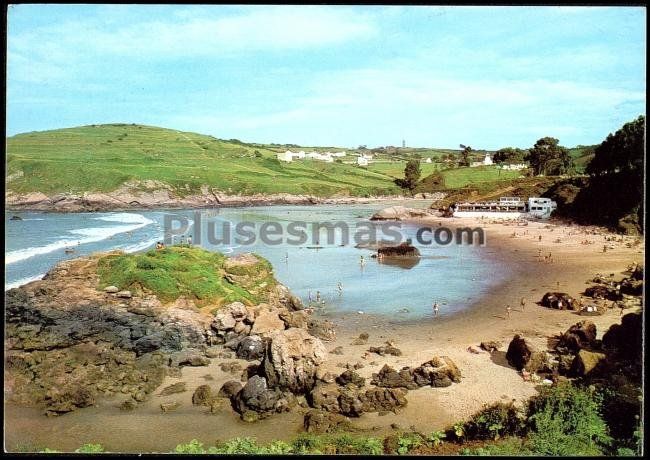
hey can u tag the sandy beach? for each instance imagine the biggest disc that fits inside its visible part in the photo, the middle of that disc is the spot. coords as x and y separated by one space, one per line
486 377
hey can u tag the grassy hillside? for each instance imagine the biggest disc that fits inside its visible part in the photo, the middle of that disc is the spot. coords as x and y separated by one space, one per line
102 157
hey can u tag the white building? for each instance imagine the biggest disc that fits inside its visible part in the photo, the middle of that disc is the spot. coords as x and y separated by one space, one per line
326 157
428 160
285 156
487 161
541 207
362 160
299 155
339 154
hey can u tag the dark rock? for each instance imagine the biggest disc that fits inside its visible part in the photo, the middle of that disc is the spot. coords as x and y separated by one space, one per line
325 396
491 346
250 348
601 291
559 301
337 351
580 335
362 339
519 352
128 405
352 378
587 363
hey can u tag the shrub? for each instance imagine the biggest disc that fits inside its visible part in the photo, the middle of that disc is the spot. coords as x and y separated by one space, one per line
436 438
192 447
493 422
566 420
408 442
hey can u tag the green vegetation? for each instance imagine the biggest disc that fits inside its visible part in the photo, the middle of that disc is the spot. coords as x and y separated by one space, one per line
198 274
548 157
613 194
103 157
412 174
461 177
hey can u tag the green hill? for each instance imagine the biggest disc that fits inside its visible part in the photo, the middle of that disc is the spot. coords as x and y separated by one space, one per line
102 157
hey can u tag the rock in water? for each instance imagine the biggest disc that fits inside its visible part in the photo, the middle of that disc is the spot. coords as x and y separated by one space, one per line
291 360
202 396
399 213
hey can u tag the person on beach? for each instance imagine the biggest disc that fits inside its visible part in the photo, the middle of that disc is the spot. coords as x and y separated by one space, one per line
189 240
508 311
309 297
318 300
362 261
604 248
540 237
286 257
339 287
436 309
522 302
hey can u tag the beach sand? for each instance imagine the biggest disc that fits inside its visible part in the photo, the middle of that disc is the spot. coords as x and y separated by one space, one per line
486 377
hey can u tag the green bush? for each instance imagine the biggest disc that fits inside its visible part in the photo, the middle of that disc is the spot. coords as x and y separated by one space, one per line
408 442
90 449
192 447
566 420
494 421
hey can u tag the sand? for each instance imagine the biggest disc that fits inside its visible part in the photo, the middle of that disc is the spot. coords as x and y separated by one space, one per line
486 377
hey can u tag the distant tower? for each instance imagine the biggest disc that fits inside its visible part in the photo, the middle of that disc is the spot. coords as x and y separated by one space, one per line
403 143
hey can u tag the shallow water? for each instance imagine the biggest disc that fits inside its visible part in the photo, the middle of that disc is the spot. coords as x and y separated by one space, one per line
453 275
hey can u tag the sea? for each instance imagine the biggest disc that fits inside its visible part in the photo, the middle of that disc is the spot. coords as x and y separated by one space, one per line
337 275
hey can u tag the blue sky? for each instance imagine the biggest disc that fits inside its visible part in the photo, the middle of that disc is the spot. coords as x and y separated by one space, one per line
488 77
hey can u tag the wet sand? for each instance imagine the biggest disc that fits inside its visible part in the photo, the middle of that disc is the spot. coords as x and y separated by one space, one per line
486 377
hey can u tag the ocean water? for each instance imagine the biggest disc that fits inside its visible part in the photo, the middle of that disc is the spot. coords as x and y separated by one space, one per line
452 275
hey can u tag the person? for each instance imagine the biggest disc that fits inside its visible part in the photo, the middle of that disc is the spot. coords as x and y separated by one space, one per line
318 297
508 310
181 243
604 248
189 240
159 245
436 308
540 237
339 286
362 261
286 257
523 303
310 298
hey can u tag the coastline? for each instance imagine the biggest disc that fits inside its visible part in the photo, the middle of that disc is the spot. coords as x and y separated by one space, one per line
130 199
486 377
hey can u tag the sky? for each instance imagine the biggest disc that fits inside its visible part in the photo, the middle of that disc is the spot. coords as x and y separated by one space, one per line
488 77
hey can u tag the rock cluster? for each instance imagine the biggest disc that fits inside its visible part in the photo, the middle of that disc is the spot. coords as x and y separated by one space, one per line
438 372
559 301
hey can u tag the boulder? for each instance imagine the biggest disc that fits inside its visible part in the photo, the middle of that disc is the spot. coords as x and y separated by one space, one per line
230 389
223 322
294 318
388 377
626 339
362 339
319 422
267 322
519 352
350 377
202 396
587 363
111 289
601 291
325 396
382 399
291 359
170 406
124 294
580 335
188 357
257 397
250 348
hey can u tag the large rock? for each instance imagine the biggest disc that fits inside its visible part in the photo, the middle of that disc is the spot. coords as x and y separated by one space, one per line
399 213
319 422
267 322
626 339
188 357
519 352
291 360
250 348
202 396
325 396
230 389
587 363
580 335
438 372
350 377
322 328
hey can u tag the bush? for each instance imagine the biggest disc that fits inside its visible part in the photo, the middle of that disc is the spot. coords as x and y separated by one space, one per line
566 420
408 442
90 449
493 422
192 447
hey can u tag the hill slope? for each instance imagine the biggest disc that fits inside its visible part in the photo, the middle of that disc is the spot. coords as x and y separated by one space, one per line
99 158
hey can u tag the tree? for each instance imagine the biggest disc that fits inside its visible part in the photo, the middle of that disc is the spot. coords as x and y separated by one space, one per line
411 175
509 155
621 152
464 155
549 158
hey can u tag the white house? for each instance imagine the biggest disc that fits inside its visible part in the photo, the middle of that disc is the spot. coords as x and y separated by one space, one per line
339 154
299 155
428 160
487 161
326 157
362 160
285 156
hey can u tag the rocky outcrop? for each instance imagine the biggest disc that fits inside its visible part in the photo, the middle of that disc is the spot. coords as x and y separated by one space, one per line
626 339
438 372
522 355
256 400
291 359
580 336
319 422
587 363
399 213
353 401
